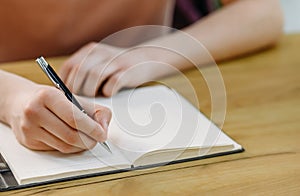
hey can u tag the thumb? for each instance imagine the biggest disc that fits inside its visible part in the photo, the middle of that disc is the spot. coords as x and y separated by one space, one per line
103 116
99 113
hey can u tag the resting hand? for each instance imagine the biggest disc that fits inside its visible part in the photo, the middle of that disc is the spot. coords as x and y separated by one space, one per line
100 67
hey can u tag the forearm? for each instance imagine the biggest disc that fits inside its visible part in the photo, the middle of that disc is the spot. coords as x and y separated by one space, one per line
236 29
9 88
239 28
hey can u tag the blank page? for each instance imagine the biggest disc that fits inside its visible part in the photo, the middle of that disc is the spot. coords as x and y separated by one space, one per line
157 118
35 166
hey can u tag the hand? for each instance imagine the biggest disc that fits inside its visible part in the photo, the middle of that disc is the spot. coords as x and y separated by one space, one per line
42 118
108 69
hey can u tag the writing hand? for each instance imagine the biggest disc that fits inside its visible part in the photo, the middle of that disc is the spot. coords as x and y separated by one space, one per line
43 119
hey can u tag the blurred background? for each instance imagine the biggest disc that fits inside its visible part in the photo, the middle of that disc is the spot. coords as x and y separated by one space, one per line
291 9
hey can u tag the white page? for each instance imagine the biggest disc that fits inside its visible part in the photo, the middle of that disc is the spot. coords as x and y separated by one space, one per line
154 118
34 166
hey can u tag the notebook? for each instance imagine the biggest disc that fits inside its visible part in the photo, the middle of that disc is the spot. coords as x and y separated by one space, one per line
151 126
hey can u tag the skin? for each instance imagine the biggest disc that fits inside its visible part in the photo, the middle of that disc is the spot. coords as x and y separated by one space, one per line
239 28
41 116
43 119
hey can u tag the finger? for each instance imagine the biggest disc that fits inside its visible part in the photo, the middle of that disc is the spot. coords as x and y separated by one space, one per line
103 116
78 67
76 78
57 144
67 134
100 114
65 70
87 69
114 84
37 145
75 60
43 147
94 111
56 102
96 77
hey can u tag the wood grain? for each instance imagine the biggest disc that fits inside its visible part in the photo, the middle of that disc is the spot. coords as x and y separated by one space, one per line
263 115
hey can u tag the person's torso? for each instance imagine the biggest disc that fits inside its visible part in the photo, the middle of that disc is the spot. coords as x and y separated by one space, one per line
31 28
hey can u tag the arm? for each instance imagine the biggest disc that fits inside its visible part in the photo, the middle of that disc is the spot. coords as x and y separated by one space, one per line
241 27
43 119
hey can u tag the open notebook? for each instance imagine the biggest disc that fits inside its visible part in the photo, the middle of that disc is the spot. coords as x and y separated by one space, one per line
151 126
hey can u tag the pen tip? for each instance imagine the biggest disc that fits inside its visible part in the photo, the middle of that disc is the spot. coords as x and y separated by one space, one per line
105 145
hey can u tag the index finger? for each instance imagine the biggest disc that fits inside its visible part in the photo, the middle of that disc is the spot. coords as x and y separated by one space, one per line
99 113
75 60
59 105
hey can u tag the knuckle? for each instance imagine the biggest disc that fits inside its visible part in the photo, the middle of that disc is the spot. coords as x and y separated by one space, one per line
26 129
31 109
44 93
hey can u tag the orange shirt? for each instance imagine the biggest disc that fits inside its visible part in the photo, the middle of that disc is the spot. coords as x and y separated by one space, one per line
51 27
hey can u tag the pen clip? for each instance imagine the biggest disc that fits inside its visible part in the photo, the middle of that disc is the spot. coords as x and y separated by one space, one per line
44 64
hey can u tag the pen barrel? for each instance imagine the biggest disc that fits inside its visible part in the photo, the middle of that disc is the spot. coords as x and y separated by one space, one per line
63 87
75 102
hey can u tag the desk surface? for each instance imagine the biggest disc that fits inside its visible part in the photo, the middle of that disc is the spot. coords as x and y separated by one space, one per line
263 115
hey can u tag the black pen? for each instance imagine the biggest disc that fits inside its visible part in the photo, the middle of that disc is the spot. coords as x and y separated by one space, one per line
49 71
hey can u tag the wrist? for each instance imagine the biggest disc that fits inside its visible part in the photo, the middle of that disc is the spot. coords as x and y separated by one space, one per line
13 90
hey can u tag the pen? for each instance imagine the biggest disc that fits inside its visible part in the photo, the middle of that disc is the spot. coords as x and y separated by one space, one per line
49 71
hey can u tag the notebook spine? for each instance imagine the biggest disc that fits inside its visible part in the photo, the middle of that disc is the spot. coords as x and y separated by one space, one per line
7 179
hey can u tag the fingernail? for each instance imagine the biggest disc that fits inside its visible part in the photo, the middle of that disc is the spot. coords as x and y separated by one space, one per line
98 117
101 120
105 124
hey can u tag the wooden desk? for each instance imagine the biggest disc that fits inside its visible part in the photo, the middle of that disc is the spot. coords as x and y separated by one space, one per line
263 114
